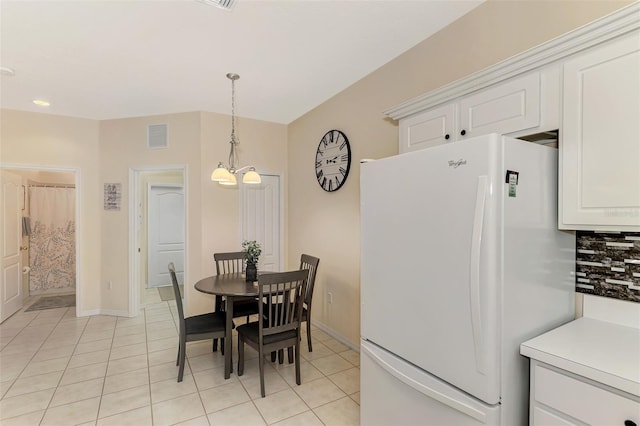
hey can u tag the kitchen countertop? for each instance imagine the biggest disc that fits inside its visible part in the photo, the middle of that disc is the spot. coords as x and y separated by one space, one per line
599 350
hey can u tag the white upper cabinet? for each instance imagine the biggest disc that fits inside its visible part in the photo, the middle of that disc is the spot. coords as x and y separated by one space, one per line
429 128
505 108
600 138
512 107
586 84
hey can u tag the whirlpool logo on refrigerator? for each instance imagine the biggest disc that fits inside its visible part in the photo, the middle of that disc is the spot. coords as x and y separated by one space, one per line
457 163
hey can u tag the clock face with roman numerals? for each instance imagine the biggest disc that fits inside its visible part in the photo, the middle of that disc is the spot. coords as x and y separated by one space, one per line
333 160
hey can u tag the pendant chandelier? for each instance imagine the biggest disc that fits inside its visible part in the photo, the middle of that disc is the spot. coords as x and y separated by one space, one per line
227 175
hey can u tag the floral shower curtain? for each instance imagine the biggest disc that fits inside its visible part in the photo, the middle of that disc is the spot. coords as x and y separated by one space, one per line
53 239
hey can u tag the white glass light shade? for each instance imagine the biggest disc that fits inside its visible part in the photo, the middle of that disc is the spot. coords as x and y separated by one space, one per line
220 174
229 182
251 177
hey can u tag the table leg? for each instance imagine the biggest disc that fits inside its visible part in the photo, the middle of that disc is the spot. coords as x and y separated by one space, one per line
228 344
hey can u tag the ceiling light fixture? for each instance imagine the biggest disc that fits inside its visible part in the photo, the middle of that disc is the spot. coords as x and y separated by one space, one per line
226 175
41 102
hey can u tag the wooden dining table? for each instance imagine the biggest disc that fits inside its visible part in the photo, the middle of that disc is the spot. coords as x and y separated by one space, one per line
231 286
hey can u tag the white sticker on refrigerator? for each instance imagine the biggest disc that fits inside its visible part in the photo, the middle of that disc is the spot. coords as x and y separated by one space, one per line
512 180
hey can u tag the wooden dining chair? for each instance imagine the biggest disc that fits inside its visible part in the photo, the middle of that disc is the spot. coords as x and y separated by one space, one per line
200 327
278 324
231 263
311 264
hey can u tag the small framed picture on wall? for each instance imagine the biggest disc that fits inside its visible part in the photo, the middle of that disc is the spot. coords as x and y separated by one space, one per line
112 196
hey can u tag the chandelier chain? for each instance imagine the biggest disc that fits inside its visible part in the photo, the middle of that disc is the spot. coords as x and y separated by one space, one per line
232 154
227 175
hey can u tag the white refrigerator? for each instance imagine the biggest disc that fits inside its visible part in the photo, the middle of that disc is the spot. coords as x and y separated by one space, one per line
461 261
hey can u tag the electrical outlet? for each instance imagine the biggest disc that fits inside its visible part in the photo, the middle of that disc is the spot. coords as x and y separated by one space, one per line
109 285
330 297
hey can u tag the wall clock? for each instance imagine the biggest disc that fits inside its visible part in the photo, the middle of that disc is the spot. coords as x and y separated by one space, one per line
333 160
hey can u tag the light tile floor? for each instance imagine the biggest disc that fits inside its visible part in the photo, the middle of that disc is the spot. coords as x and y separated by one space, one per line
56 369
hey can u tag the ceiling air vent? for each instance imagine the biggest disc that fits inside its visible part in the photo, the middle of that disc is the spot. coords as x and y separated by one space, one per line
222 4
157 136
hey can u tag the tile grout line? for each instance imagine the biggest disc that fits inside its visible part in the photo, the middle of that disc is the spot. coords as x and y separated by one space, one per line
177 326
65 368
172 315
104 381
146 345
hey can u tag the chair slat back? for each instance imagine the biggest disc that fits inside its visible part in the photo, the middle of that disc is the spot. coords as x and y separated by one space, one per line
229 263
283 296
176 292
311 263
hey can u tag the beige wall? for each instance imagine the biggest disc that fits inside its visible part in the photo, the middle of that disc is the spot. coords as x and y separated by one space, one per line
123 146
327 224
198 140
105 152
319 223
40 141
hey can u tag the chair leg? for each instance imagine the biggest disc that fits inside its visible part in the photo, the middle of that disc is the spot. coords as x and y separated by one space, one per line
273 356
281 356
309 335
183 350
297 351
261 363
222 346
290 354
218 308
240 356
178 358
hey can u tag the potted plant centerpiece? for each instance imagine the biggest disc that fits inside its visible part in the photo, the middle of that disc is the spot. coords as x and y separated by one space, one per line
253 251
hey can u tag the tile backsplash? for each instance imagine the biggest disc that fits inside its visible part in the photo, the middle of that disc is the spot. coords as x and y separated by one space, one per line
608 264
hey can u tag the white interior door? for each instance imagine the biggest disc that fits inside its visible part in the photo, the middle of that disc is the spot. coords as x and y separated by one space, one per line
261 220
165 233
10 217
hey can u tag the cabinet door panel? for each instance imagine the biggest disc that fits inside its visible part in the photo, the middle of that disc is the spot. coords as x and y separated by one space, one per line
428 128
505 108
586 402
600 139
542 417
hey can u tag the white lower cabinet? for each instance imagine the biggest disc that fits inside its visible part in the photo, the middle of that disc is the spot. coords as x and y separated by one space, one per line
558 397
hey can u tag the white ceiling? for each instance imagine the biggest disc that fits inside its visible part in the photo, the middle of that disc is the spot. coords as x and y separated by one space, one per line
114 59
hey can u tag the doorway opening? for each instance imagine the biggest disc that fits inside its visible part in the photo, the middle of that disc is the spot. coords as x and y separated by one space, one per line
40 242
157 233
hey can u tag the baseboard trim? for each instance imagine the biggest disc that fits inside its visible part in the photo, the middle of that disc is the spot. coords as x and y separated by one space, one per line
110 312
339 337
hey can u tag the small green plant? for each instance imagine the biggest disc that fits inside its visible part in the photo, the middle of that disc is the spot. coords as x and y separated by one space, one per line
253 251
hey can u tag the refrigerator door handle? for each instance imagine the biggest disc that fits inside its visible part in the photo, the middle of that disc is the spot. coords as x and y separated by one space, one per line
474 272
420 387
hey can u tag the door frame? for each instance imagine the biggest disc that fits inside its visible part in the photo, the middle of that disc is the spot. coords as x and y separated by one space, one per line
282 213
134 257
79 218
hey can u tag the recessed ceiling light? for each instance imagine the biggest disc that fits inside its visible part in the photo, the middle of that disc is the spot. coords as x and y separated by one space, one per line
41 102
7 71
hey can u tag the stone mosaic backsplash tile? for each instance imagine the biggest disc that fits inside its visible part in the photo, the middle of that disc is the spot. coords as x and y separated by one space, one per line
608 264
